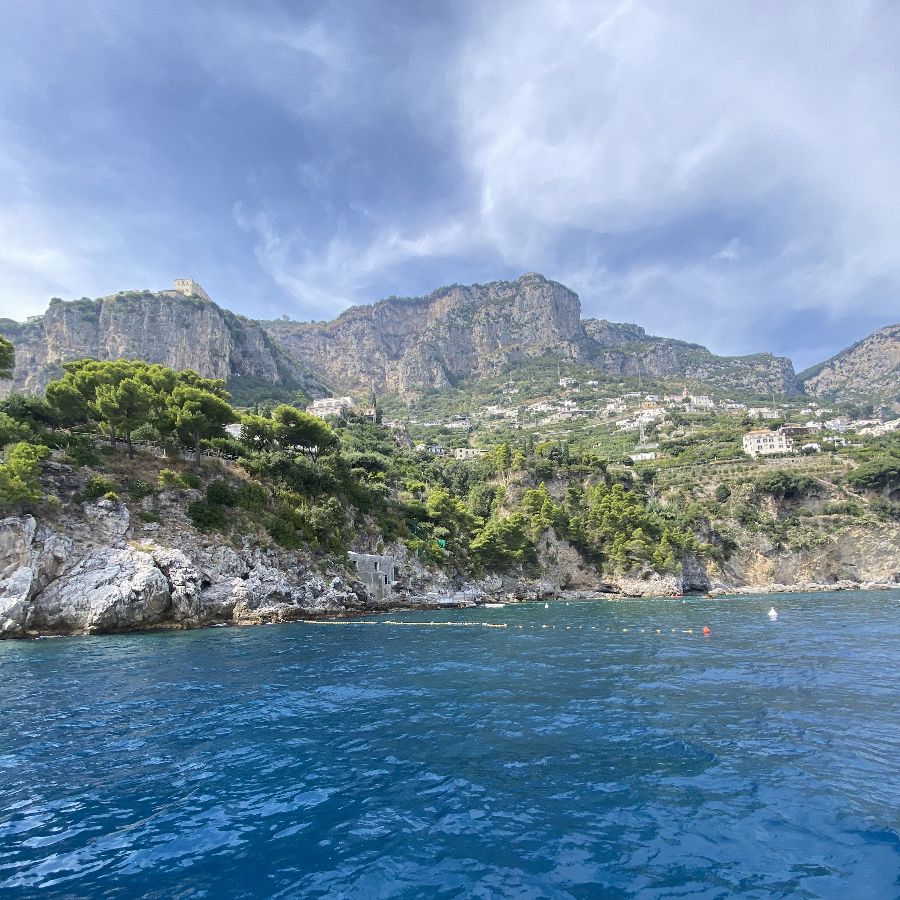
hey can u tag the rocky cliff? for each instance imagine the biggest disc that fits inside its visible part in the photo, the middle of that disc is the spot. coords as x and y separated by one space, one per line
165 327
628 350
869 370
398 345
401 345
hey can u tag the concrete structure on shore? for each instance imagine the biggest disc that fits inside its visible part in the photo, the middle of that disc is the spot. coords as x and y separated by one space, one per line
377 573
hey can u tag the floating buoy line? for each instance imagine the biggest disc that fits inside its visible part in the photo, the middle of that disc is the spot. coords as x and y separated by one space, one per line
562 627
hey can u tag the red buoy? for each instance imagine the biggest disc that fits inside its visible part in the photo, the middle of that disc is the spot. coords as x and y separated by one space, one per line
706 629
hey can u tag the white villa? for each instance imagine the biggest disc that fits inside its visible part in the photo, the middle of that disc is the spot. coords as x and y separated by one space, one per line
329 406
762 442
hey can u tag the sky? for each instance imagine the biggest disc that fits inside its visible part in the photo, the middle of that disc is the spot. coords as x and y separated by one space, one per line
726 173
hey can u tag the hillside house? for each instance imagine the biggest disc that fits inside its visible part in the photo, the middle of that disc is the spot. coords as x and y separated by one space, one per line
469 453
764 442
329 406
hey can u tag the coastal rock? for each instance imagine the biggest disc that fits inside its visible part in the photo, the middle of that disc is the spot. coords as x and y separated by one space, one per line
107 590
30 557
109 521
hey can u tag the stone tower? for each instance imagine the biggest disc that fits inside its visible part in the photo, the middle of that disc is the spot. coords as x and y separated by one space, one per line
190 288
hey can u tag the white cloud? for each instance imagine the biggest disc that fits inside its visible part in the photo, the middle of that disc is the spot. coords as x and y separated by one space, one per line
611 118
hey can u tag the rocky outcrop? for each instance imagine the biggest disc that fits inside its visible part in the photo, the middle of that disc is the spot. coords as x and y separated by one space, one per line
165 327
62 585
628 350
404 345
854 555
868 371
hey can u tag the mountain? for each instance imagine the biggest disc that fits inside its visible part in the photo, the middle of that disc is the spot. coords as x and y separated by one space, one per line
163 327
399 345
867 371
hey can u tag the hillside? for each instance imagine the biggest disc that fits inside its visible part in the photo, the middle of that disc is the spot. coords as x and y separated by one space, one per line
869 370
398 346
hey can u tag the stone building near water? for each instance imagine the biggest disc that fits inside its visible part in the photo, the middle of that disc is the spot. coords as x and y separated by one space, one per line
377 573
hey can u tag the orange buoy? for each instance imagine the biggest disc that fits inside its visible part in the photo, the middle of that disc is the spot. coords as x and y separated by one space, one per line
706 629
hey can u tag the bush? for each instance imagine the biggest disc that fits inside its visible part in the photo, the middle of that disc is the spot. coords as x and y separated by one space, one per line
139 489
207 516
723 492
19 474
880 472
82 451
782 484
219 493
169 478
284 532
252 496
98 486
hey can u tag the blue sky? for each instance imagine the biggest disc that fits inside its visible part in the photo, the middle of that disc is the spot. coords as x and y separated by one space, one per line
722 172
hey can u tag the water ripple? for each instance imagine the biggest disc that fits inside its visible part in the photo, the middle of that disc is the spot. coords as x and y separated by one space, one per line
619 754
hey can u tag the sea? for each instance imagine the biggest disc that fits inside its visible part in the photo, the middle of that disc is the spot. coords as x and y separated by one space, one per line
585 749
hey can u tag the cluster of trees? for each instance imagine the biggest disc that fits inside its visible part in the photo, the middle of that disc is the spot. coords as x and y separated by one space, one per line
123 396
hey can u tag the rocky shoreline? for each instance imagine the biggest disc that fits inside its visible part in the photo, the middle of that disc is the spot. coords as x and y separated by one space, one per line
99 573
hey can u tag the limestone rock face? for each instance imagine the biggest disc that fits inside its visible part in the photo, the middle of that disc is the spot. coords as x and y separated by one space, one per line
869 369
398 345
852 555
403 345
164 327
108 590
628 350
31 556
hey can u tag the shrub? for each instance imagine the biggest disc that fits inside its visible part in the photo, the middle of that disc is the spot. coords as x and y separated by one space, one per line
191 480
880 472
251 495
207 516
139 489
19 474
219 493
98 486
284 532
723 492
169 478
782 484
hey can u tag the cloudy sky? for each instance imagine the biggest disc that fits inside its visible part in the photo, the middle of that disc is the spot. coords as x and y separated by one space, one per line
722 172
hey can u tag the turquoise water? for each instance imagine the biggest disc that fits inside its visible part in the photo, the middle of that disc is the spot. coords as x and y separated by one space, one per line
380 760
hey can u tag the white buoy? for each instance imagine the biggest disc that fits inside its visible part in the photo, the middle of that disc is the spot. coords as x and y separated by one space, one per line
773 615
546 606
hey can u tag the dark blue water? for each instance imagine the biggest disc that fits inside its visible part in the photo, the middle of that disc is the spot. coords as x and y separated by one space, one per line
379 760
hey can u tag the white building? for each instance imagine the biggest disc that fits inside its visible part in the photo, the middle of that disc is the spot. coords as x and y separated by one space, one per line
329 406
568 382
701 401
762 442
468 453
643 457
763 412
